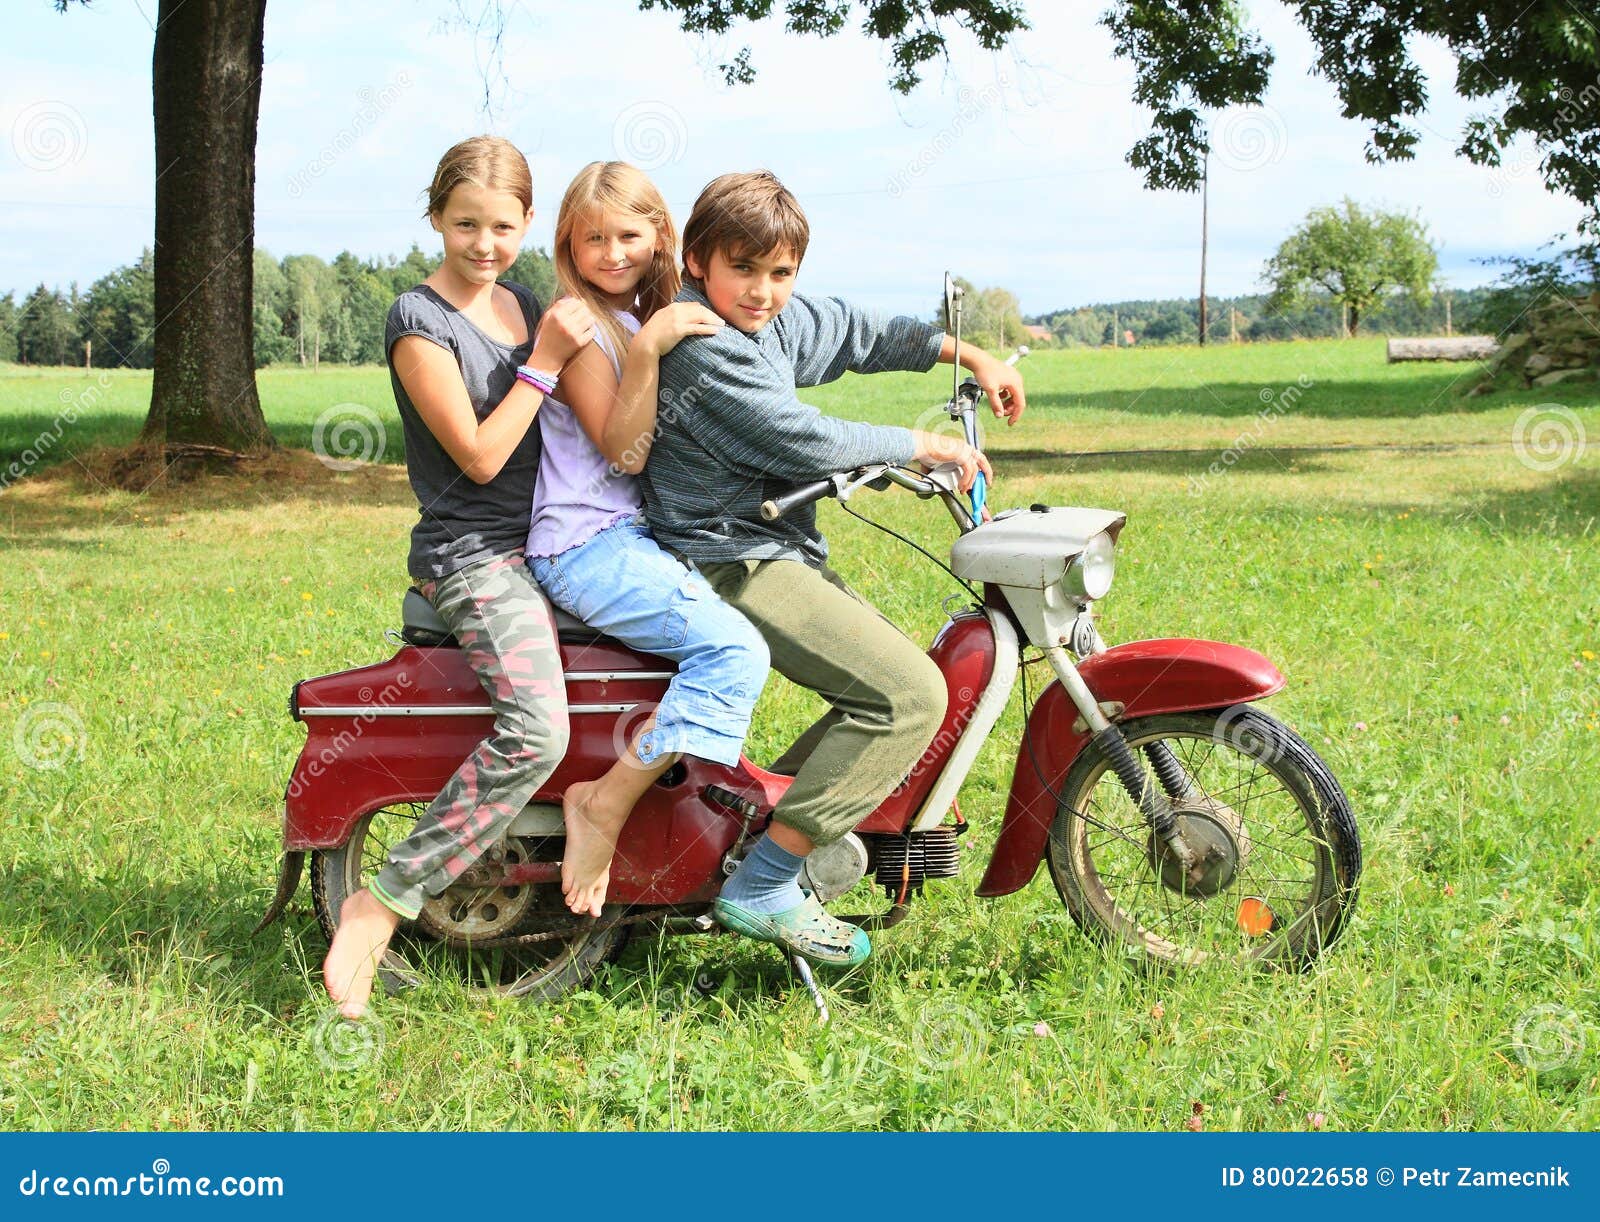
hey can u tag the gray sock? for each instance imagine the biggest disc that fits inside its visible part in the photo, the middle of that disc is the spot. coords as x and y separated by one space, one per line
767 880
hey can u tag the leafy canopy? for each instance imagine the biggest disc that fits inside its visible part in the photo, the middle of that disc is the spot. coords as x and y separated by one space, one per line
1533 64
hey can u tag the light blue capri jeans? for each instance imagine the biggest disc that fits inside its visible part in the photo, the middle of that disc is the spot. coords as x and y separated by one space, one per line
621 583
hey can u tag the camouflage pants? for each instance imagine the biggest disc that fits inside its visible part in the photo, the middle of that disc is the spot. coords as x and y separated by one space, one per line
504 626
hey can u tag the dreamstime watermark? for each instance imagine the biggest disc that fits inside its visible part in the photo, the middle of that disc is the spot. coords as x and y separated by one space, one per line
1577 108
49 736
1236 727
74 402
63 1018
1250 138
1569 714
949 1035
948 736
650 134
1548 436
347 436
1278 403
48 136
629 728
671 407
1549 1037
330 753
941 423
346 1045
157 1182
971 105
374 104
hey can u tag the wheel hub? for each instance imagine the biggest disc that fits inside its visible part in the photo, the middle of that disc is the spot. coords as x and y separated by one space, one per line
465 913
1218 839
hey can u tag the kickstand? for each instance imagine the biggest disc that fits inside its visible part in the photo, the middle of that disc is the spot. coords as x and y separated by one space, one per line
803 970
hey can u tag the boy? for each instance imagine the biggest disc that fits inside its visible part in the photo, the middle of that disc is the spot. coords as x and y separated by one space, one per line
731 434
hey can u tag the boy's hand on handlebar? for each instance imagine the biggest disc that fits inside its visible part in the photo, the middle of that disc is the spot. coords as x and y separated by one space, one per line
1003 384
934 448
672 323
564 331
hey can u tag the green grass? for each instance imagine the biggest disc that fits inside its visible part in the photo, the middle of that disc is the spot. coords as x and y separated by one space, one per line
1435 611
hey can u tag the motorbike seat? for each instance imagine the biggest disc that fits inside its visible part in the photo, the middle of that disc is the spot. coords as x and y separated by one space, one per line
420 624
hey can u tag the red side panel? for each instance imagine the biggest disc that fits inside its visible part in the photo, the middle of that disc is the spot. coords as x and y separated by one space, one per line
1169 675
964 651
359 761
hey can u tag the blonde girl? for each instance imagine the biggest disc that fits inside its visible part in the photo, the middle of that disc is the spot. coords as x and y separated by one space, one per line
588 547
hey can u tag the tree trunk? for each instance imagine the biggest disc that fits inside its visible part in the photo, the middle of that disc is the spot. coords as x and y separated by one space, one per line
207 87
1450 348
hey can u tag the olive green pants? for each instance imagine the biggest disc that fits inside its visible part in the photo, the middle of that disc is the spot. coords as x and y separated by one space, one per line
888 698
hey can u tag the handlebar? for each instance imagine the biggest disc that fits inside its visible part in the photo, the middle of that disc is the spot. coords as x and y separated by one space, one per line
941 481
778 506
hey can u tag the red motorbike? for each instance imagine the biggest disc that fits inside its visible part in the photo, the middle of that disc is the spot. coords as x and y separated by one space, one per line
1176 819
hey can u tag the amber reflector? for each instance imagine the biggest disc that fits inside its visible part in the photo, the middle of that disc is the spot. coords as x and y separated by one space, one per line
1255 916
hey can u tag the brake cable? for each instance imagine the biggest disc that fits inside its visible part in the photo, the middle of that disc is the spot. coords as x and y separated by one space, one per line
911 543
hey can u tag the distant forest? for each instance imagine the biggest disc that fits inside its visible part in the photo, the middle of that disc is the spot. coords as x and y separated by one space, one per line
1247 319
309 311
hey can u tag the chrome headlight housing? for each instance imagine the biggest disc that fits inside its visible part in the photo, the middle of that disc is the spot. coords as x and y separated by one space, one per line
1089 575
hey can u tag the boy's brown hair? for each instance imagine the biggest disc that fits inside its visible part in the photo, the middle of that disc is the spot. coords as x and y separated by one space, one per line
743 215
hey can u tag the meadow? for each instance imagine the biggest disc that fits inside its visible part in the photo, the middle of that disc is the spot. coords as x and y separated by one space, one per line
1421 565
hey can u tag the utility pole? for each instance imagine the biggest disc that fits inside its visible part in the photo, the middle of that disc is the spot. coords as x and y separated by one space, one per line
1205 227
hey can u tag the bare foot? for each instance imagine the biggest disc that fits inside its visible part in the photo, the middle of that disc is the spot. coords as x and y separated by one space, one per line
365 927
594 820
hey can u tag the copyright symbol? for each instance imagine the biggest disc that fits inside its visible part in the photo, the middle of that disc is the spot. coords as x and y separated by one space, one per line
1385 1177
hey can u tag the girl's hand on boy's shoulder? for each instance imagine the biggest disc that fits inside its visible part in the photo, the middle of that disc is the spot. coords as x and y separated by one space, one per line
674 322
566 328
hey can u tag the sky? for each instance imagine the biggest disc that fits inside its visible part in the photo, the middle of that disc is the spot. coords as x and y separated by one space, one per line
1007 168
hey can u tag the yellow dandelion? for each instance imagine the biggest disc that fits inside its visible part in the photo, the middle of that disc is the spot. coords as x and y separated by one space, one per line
46 654
305 596
1588 655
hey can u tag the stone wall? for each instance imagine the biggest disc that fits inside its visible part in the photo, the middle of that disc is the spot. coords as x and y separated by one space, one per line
1561 344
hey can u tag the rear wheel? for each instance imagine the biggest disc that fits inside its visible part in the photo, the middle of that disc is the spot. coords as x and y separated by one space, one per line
1283 854
441 942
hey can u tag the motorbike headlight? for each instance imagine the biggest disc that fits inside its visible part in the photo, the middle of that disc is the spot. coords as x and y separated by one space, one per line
1089 575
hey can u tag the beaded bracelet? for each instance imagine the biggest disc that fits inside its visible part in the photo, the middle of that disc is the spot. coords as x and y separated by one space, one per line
537 378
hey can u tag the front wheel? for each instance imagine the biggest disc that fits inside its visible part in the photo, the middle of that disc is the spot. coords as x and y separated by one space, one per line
1283 857
441 940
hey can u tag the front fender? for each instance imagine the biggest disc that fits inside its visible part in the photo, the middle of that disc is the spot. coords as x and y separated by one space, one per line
1169 675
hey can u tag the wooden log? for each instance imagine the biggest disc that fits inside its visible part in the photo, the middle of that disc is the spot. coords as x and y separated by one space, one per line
1444 348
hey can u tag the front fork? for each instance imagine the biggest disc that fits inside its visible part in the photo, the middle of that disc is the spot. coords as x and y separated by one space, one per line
1155 805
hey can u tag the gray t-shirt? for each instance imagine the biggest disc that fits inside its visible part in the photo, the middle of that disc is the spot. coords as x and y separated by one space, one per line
463 522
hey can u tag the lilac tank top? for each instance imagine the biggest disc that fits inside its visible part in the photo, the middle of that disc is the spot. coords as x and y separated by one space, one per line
578 493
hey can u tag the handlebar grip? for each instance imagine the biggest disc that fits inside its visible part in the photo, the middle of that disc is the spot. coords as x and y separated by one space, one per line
778 506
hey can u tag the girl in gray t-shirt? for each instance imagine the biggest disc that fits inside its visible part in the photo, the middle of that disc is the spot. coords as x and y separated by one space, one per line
454 345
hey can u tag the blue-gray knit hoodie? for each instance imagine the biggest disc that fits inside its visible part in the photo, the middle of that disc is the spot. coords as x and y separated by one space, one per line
730 432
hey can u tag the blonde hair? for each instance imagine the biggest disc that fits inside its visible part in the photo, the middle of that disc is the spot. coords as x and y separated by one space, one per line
617 187
486 162
745 216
